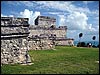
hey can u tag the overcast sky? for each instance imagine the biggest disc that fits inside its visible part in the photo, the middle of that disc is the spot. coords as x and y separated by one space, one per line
78 16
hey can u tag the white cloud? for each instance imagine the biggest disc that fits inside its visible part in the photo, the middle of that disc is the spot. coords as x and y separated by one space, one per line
29 14
2 15
57 13
86 2
74 17
27 3
61 5
76 21
54 13
26 14
11 15
92 30
16 3
62 20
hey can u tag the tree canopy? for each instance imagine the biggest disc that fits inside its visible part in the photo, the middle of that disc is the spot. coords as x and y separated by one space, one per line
80 35
94 37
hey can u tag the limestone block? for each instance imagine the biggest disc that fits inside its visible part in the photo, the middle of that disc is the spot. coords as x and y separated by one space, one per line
4 61
21 58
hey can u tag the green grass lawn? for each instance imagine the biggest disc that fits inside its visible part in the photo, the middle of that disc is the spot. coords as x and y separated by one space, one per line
63 60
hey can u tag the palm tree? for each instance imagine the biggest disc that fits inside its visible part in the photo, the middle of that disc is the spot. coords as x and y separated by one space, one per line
94 37
80 35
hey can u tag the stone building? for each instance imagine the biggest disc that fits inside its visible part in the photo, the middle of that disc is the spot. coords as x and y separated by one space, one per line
47 26
17 37
45 21
14 44
40 43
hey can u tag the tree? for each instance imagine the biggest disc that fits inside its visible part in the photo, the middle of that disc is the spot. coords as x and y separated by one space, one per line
81 44
94 37
80 35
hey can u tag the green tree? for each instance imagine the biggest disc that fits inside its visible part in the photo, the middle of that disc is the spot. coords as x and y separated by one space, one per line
94 37
80 35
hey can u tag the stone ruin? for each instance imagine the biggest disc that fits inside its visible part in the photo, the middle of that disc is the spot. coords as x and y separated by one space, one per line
14 43
40 43
45 25
17 37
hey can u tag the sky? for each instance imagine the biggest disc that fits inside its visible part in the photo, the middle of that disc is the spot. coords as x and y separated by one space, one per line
78 16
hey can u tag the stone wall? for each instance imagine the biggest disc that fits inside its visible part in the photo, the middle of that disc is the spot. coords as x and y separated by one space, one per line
14 43
41 44
60 34
45 21
14 51
57 32
64 42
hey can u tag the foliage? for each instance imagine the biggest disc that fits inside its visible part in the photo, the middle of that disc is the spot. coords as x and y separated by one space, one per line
81 44
80 35
94 37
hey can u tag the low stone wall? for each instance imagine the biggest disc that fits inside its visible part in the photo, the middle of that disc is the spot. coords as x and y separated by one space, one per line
41 44
57 32
64 42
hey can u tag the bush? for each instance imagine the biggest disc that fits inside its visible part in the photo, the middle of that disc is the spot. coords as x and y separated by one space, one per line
81 44
88 44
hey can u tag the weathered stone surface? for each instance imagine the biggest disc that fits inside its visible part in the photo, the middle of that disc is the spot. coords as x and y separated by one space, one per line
16 40
58 33
47 25
41 44
14 50
9 51
45 21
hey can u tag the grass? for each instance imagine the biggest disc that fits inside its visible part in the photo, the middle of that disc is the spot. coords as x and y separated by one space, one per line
63 60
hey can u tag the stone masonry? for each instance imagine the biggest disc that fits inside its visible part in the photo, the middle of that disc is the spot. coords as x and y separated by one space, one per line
45 21
14 44
17 37
40 43
47 25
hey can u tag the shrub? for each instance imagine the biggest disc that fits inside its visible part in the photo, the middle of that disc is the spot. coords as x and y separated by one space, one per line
81 44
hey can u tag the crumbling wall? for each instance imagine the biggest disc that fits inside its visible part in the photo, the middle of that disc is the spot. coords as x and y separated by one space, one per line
64 42
45 21
14 43
41 44
60 34
57 32
14 51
